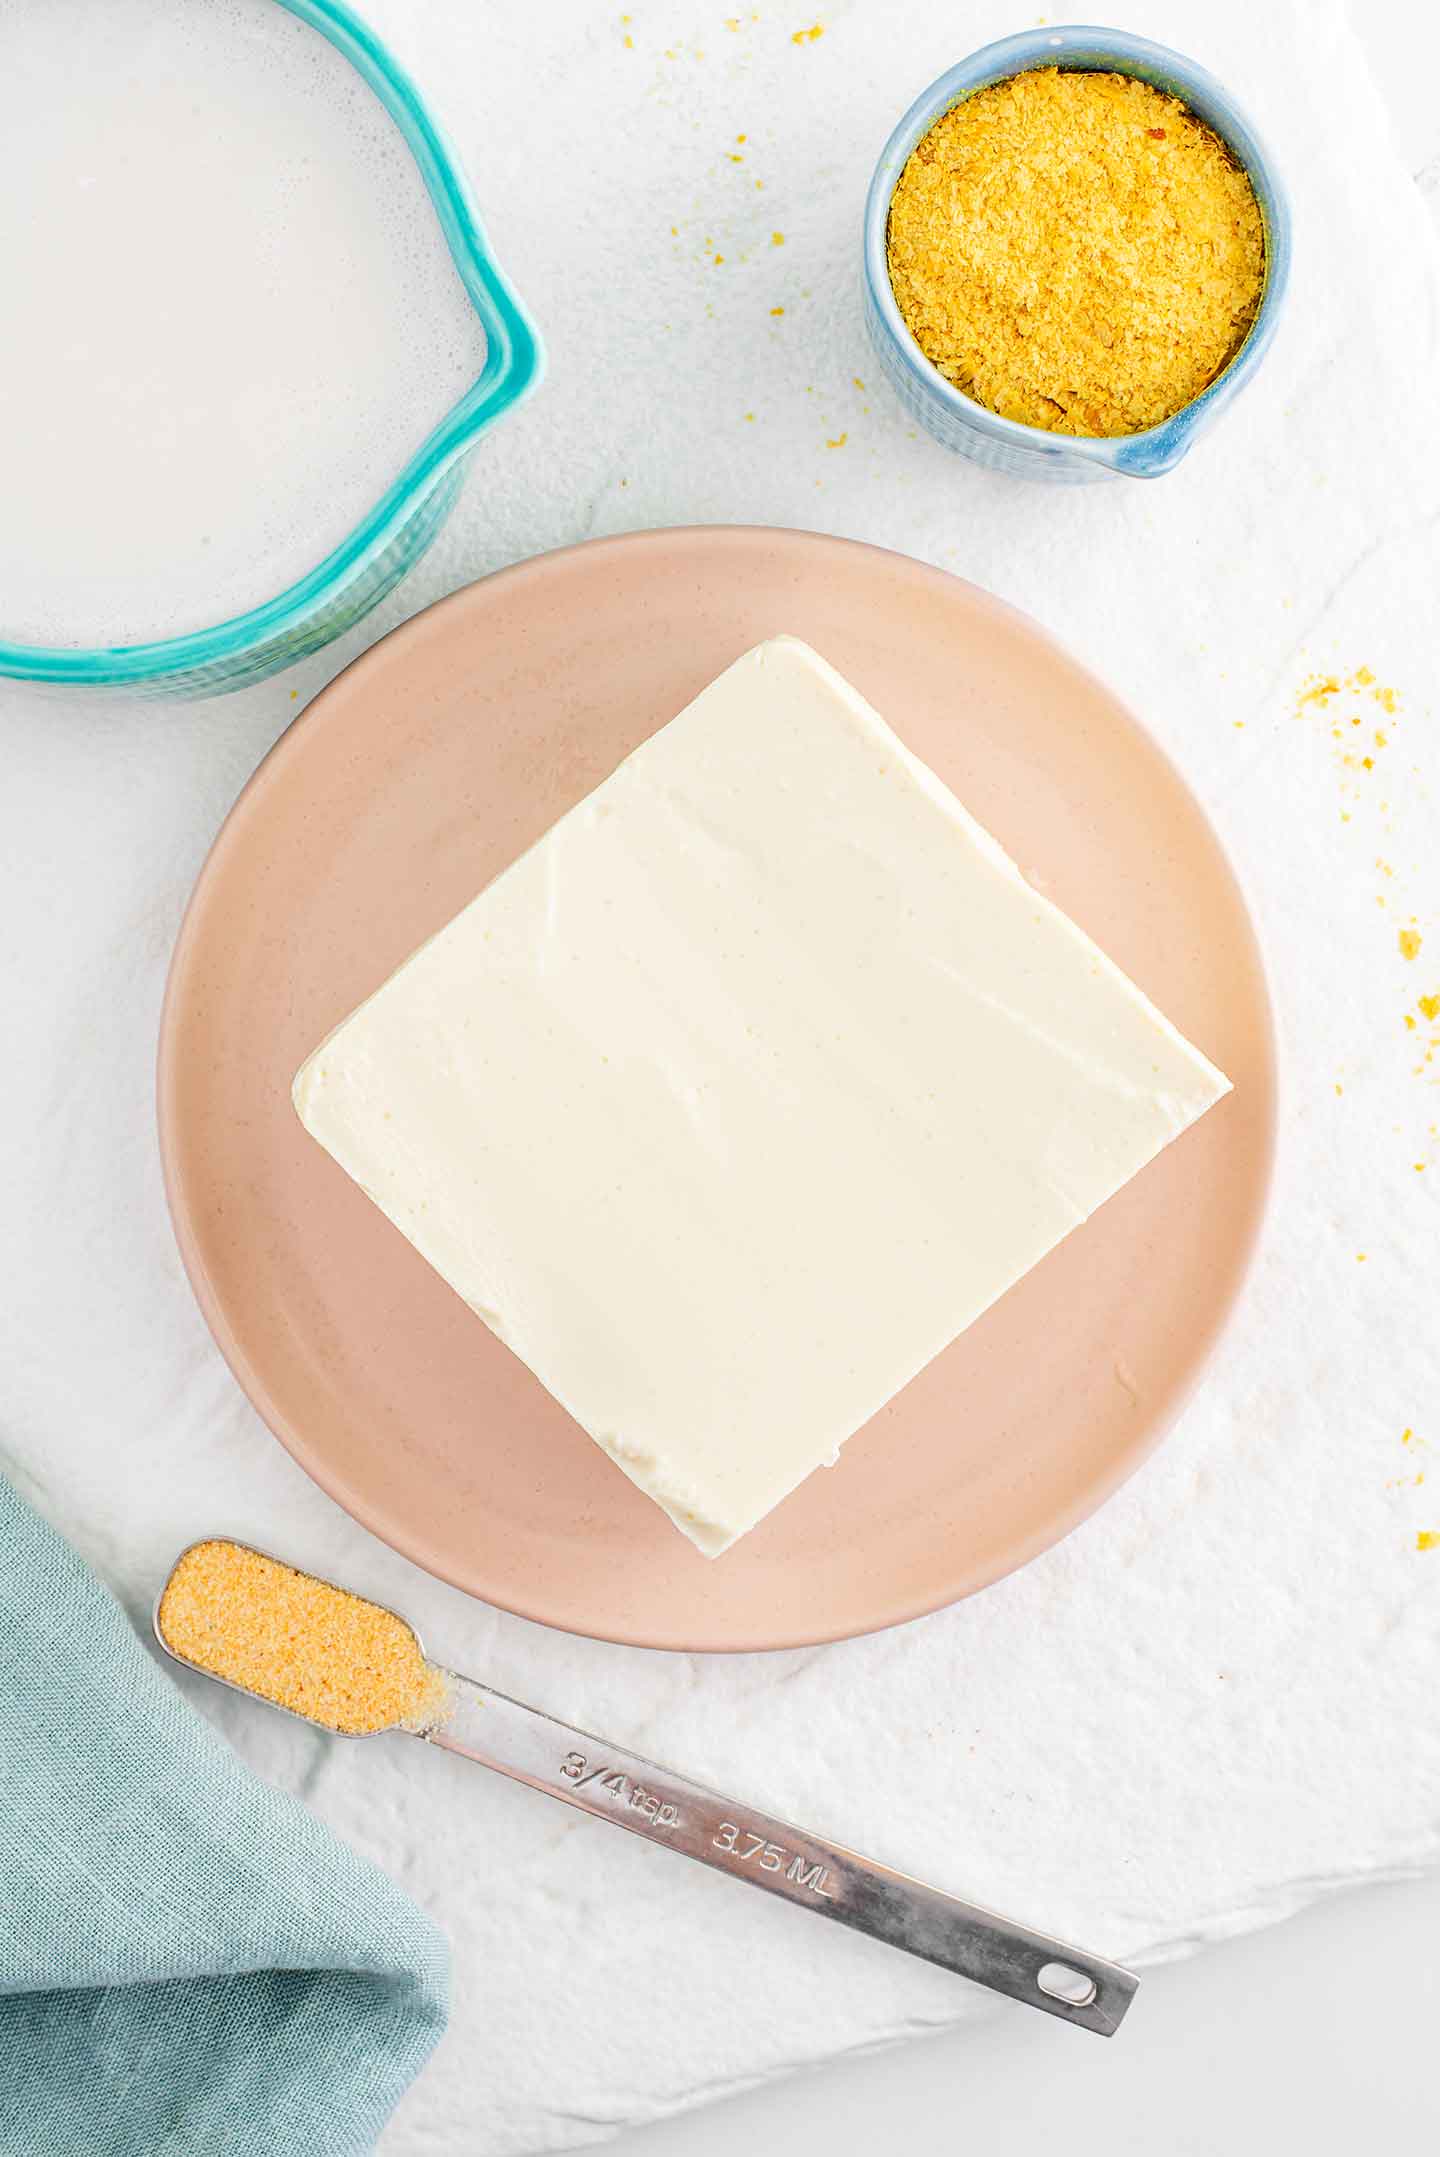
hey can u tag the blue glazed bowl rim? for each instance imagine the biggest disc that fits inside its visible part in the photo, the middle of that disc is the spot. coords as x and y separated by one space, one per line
1157 449
514 364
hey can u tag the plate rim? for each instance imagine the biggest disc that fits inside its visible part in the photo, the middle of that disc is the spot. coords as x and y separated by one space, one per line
1127 1459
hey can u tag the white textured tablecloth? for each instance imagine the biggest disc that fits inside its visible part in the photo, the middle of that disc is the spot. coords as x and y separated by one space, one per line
1217 1700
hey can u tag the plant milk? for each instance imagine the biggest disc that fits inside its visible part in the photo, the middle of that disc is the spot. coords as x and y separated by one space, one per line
227 312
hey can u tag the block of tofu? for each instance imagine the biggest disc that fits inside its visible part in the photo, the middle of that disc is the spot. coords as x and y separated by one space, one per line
747 1088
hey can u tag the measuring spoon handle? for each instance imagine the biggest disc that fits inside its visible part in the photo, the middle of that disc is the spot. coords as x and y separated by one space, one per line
735 1838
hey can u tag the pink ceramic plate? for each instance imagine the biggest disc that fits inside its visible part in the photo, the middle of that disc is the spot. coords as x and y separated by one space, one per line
425 768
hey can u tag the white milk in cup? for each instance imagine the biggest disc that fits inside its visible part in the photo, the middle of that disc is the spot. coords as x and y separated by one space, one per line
228 316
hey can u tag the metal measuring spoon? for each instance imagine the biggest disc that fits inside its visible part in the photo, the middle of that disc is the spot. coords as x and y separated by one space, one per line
612 1783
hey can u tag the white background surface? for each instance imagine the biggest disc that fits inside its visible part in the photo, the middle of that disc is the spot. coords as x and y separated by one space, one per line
1317 2036
1216 1701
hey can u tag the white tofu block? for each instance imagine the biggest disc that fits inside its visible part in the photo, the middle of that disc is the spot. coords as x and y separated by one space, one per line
747 1088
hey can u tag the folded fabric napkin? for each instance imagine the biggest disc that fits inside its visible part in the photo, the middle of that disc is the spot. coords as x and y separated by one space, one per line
189 1963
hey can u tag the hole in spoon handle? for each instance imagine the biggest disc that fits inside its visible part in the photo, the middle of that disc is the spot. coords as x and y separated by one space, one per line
1059 1981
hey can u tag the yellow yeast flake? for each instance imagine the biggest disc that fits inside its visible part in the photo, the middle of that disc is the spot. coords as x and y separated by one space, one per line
298 1641
1076 251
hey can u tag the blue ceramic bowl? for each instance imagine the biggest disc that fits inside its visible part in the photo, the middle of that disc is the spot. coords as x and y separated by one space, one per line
1006 445
400 526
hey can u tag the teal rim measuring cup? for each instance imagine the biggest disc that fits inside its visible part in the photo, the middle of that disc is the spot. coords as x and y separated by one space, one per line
398 528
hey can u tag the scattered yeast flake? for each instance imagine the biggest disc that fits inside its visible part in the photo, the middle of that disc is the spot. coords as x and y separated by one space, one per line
1427 1539
1411 942
1076 251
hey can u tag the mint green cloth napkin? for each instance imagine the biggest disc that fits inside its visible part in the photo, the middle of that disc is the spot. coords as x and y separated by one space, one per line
189 1963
